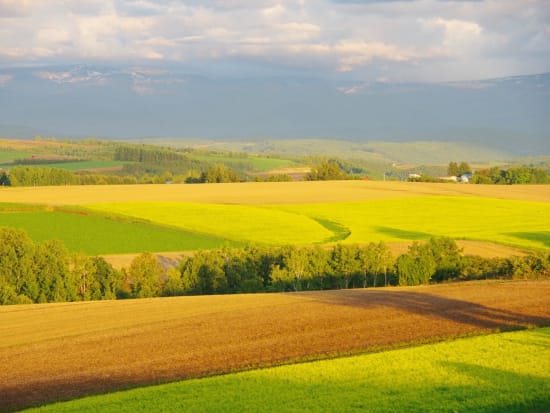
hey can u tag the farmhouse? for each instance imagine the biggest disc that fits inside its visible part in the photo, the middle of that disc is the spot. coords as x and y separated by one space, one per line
465 178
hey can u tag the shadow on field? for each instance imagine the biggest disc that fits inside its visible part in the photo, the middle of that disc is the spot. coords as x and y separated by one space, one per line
543 236
434 306
403 234
495 382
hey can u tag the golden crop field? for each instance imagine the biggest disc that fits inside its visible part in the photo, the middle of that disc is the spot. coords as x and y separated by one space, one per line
62 351
262 193
489 218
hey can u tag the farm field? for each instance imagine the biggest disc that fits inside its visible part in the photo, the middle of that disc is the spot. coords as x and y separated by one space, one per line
300 213
517 223
10 156
63 351
463 375
257 163
124 235
270 193
85 165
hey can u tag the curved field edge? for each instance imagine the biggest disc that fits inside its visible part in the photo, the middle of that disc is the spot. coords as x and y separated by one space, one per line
522 224
244 223
94 232
62 351
467 374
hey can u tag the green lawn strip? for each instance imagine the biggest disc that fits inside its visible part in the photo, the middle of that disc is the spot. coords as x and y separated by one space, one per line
241 223
94 233
504 373
510 222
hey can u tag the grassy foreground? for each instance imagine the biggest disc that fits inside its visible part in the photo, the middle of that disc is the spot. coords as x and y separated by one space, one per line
508 372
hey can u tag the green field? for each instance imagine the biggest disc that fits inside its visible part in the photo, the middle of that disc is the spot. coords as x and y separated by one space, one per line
508 372
82 165
256 163
91 233
9 156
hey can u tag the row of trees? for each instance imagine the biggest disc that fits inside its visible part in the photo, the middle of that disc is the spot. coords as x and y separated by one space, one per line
45 272
514 175
136 153
458 169
327 170
46 176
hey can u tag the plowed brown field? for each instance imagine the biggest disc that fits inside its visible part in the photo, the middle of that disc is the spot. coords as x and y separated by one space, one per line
62 351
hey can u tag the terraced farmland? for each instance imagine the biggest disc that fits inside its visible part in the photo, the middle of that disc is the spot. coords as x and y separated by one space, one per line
63 351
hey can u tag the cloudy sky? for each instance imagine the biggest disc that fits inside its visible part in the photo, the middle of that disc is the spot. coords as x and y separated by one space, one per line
401 41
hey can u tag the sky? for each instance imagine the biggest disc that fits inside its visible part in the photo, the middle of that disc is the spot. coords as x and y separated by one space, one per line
369 40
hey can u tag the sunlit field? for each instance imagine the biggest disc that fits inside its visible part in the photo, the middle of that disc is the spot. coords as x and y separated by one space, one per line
92 233
261 193
508 372
518 223
61 351
243 223
190 217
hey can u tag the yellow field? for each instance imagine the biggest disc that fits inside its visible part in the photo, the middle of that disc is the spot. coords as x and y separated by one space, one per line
246 223
259 193
304 213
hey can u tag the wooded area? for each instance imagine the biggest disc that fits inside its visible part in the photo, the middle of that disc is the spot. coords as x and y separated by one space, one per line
46 272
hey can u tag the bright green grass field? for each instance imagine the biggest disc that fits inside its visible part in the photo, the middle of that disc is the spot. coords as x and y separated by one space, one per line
500 373
518 223
97 234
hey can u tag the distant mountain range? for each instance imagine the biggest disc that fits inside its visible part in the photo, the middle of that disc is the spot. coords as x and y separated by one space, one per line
510 115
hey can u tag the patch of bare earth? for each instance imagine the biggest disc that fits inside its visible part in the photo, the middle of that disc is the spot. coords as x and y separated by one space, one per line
62 351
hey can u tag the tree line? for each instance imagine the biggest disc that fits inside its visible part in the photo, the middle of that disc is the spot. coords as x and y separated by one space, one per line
47 176
46 272
510 176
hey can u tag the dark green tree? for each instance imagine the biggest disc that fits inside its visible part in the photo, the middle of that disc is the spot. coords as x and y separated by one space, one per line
4 179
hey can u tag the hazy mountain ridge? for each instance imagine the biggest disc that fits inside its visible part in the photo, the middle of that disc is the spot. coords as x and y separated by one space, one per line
507 114
417 152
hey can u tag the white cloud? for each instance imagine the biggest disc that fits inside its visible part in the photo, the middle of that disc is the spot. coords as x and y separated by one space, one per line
17 8
405 40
